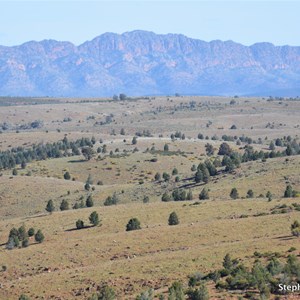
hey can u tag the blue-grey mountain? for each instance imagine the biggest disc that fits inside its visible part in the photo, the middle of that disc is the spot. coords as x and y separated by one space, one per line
145 63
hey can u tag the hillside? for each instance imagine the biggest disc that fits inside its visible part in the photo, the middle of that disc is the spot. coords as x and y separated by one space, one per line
140 62
147 154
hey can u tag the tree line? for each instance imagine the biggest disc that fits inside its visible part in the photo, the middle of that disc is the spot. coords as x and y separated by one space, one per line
20 155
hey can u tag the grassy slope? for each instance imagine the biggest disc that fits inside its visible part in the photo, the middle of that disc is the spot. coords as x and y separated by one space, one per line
71 263
153 256
156 255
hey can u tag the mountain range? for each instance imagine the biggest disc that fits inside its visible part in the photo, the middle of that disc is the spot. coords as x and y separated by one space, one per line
145 63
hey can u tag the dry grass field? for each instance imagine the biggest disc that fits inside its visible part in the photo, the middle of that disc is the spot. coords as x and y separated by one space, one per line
72 264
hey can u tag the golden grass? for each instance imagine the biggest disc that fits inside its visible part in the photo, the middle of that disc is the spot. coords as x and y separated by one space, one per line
70 264
153 256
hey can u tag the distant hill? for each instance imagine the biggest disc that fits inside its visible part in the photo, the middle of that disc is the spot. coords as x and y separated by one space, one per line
143 63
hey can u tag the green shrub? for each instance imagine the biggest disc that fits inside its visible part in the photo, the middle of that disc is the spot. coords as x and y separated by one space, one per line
204 194
173 219
79 224
133 224
94 218
39 237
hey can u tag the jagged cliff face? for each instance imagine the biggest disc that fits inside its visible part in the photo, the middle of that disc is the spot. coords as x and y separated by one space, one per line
140 63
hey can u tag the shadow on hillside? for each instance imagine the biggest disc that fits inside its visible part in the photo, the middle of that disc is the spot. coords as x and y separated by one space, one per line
284 238
75 229
190 185
77 161
36 216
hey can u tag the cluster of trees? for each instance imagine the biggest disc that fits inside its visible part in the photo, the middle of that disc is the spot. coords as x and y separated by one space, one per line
135 224
182 195
177 135
232 159
111 200
175 292
177 195
31 125
295 229
93 218
166 176
230 138
262 277
121 97
20 155
20 237
64 205
204 171
145 133
290 192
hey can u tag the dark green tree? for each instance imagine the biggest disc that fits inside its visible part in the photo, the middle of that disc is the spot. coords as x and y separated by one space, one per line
22 233
198 176
31 232
79 224
134 140
175 291
227 262
146 295
288 193
24 297
122 131
200 293
90 180
209 149
146 199
67 176
50 206
200 136
39 236
204 194
166 176
269 195
234 193
64 205
122 97
89 201
165 197
166 148
210 167
105 293
133 224
25 243
87 186
88 152
94 218
173 219
157 177
224 149
250 194
295 229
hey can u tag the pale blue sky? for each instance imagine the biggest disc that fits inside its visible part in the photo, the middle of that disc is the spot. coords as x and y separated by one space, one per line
243 21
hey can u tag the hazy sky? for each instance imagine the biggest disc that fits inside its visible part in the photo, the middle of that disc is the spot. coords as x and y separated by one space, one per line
246 22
